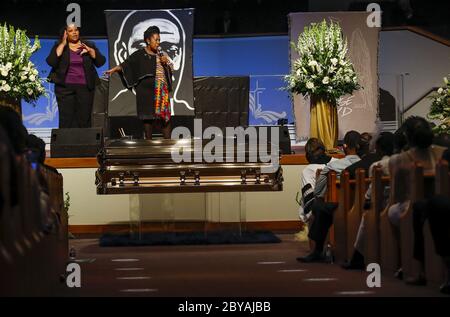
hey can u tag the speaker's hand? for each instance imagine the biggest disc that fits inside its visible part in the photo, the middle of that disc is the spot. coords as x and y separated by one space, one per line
164 60
113 70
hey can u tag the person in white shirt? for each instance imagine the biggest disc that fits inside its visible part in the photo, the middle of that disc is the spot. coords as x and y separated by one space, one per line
317 159
323 211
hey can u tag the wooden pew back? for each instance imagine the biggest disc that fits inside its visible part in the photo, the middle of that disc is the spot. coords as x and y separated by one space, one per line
389 242
355 213
409 265
346 189
31 259
332 196
434 267
372 218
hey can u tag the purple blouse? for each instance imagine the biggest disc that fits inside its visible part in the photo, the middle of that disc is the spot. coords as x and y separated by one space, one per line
75 73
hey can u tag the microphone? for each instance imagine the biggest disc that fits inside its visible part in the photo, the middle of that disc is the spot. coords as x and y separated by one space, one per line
160 52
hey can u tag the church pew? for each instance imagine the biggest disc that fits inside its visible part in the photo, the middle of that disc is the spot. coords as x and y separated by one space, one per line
332 187
59 236
332 195
372 218
389 242
434 267
30 261
53 244
43 248
31 277
345 187
396 248
411 266
19 267
356 211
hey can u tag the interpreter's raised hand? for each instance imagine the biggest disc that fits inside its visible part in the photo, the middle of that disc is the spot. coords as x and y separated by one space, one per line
64 38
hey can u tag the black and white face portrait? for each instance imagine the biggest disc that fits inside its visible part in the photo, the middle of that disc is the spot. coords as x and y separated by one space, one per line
176 40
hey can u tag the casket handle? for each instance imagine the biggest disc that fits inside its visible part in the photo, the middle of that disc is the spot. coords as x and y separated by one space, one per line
182 178
243 177
197 177
258 177
136 179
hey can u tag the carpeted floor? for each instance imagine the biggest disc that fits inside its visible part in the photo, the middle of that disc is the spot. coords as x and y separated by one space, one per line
187 238
229 270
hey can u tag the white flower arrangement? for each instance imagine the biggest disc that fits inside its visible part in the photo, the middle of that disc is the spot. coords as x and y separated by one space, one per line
440 108
322 68
19 79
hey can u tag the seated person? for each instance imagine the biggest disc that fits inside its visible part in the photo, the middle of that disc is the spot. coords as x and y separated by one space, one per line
16 133
366 137
436 210
317 158
36 151
323 212
367 158
420 137
384 148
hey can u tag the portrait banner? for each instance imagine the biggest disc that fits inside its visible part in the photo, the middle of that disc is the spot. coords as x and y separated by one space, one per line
126 35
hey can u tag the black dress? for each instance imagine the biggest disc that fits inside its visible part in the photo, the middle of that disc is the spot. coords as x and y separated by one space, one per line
139 71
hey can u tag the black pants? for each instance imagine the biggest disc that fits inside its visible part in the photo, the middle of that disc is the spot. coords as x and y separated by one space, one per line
437 211
74 106
322 221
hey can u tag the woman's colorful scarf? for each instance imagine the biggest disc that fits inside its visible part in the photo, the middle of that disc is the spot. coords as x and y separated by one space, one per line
162 103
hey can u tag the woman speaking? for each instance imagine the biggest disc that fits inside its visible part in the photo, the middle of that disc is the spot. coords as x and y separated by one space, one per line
73 72
149 71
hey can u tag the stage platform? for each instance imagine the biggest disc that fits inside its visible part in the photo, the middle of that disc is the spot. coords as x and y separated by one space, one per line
91 162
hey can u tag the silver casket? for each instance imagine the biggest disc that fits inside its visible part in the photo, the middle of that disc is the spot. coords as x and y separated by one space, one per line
178 166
